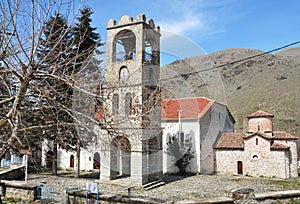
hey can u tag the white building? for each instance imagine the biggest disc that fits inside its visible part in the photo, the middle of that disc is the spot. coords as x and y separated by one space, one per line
200 119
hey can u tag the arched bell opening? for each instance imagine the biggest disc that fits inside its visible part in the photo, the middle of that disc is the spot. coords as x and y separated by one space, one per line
124 46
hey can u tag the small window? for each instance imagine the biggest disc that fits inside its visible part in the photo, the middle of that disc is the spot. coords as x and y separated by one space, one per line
115 104
256 141
123 75
128 103
240 167
151 74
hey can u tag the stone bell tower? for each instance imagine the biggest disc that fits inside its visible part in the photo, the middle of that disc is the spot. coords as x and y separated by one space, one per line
133 101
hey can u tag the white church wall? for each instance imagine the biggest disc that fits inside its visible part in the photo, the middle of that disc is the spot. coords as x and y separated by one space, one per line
46 146
216 121
64 157
190 128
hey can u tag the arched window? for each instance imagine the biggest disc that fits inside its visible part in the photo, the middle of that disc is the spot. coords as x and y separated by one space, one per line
123 75
96 162
151 53
128 104
151 74
115 104
124 46
148 52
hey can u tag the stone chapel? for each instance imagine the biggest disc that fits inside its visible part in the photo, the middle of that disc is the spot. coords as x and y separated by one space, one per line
258 152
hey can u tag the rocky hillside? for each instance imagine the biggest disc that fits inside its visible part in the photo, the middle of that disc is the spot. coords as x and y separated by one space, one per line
269 81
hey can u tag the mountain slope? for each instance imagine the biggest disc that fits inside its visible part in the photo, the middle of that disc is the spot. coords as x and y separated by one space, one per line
270 82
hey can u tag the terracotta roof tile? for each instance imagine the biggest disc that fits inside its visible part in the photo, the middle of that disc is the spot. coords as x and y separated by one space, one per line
278 146
190 107
99 113
264 135
231 141
282 135
260 113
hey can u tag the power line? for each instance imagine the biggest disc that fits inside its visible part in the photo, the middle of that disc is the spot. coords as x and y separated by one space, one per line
231 63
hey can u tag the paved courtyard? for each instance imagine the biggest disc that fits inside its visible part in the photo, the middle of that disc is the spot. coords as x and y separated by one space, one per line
176 187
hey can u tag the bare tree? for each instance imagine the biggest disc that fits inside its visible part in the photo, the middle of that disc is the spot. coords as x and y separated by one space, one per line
35 88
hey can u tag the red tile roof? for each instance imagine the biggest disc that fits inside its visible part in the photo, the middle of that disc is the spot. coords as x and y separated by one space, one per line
264 135
99 113
191 108
231 141
282 135
260 113
236 140
278 146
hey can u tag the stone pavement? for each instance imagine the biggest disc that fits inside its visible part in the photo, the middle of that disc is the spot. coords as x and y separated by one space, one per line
177 187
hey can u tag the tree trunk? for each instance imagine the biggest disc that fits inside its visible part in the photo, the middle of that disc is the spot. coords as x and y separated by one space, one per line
77 158
54 159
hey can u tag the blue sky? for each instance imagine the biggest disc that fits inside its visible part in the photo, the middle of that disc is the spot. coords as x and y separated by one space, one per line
211 25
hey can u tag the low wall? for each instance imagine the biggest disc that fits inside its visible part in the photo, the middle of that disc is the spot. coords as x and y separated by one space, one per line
17 190
267 197
12 173
79 197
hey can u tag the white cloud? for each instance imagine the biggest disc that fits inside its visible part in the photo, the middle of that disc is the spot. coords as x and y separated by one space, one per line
183 24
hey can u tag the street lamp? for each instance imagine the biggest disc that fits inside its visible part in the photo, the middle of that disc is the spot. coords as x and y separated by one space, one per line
179 124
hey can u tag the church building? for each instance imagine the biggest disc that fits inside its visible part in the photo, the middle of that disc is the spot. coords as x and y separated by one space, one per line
258 152
138 123
199 121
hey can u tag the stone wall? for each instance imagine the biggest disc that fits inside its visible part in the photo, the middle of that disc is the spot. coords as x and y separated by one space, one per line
79 197
12 173
16 190
260 124
227 161
257 160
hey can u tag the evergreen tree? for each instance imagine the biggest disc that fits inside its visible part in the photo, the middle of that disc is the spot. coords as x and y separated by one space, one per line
55 46
86 40
54 51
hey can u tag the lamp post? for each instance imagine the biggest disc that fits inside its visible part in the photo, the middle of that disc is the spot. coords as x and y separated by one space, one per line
179 123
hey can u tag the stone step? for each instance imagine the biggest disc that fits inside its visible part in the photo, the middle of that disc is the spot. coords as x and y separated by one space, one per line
158 184
150 183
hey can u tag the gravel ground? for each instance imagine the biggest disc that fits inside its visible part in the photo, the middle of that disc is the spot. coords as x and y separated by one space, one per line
176 187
